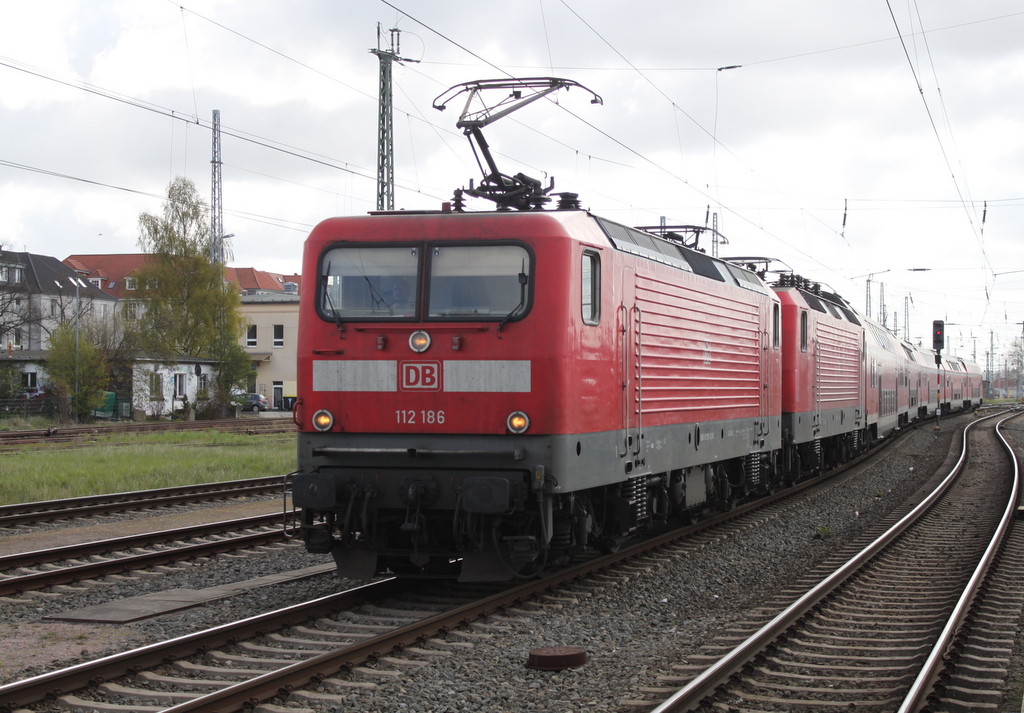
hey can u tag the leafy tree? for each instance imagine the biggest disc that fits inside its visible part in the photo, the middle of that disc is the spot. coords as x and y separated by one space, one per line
10 381
77 374
119 340
190 309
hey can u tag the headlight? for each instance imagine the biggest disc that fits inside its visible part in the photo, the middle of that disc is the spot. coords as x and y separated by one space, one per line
323 420
419 341
518 422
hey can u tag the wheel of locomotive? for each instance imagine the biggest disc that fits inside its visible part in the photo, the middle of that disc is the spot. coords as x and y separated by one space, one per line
608 545
725 495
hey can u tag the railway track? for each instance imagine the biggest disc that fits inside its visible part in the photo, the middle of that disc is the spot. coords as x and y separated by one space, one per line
79 435
315 657
29 571
886 630
89 505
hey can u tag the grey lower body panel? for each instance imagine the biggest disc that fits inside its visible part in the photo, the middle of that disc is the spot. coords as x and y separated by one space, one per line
808 426
573 462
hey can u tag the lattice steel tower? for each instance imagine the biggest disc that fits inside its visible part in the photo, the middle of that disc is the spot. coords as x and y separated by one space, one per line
385 136
216 202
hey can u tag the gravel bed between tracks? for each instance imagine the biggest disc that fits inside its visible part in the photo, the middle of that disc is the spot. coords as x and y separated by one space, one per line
632 631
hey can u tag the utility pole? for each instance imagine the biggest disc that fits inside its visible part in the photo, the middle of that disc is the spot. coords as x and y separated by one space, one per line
385 118
883 316
906 318
216 201
867 298
991 356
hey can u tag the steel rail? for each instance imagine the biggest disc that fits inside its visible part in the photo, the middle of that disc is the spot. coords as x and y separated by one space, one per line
229 424
17 695
33 558
936 662
15 440
46 510
691 695
120 565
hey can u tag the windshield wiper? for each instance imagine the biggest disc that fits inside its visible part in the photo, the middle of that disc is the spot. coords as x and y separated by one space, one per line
330 302
522 298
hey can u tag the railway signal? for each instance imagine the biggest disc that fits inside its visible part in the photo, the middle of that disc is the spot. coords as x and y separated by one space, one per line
938 335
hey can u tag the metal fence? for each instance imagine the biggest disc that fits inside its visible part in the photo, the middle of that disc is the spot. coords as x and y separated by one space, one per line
25 407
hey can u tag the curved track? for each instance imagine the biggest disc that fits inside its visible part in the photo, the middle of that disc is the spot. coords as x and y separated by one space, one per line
876 633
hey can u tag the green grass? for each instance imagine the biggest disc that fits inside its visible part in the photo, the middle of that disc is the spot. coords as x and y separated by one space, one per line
10 422
121 462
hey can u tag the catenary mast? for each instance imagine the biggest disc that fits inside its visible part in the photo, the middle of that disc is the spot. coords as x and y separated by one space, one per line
216 201
385 120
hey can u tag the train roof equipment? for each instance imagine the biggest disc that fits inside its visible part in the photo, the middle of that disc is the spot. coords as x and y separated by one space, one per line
520 191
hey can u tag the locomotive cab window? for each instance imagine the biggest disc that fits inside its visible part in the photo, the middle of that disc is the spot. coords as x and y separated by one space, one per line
591 288
478 282
369 283
775 326
803 330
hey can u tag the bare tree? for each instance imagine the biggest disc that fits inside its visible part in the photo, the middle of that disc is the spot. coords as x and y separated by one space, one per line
16 312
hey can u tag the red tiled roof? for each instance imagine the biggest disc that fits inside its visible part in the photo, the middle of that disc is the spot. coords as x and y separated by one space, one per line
251 279
112 270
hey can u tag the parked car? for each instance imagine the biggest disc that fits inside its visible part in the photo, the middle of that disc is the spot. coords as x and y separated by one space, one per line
255 403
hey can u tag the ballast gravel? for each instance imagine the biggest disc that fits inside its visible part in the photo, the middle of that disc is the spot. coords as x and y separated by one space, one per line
634 623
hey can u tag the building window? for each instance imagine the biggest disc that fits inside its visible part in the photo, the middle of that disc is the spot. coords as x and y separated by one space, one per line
129 283
5 273
156 387
278 335
179 386
250 336
15 275
202 386
591 297
97 282
28 379
17 337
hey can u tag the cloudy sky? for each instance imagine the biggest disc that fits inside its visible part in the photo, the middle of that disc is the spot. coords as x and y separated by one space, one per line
847 140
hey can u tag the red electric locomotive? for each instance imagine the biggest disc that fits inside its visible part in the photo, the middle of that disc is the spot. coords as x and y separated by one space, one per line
484 395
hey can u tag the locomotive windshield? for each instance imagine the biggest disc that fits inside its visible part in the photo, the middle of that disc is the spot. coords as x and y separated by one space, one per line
486 282
370 283
477 280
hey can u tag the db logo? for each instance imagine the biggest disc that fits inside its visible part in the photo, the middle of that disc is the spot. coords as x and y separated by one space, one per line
420 375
